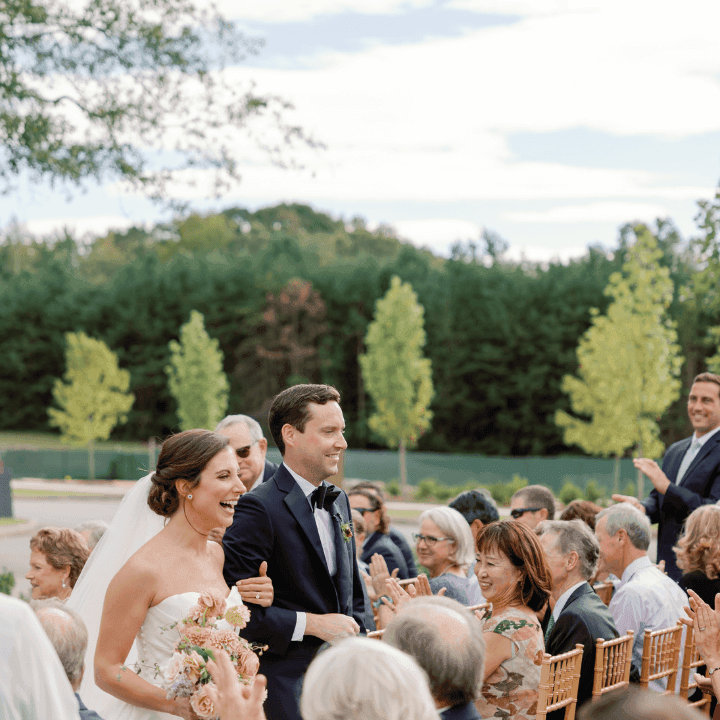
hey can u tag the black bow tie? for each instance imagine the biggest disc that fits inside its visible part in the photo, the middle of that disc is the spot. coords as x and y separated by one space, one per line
323 497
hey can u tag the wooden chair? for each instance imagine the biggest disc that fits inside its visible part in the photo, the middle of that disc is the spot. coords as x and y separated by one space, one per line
407 581
612 664
691 660
559 681
483 607
376 634
604 591
661 656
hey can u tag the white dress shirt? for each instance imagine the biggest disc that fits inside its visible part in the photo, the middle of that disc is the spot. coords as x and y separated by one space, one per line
647 598
325 530
694 448
33 684
562 600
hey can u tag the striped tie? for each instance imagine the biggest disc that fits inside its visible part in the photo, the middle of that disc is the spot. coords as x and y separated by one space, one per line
550 626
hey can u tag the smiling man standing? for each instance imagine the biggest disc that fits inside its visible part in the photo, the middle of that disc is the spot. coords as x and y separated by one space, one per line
690 473
301 526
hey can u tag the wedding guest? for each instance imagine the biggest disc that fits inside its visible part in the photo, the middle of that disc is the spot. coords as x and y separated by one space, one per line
514 576
395 535
361 679
445 548
92 531
698 553
581 510
647 598
448 644
371 507
532 505
633 703
57 557
360 533
33 684
69 637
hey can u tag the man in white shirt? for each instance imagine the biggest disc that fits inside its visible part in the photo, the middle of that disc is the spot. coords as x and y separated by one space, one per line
646 598
301 526
33 685
690 473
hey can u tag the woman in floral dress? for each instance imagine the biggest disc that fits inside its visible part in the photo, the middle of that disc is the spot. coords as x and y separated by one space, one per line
515 578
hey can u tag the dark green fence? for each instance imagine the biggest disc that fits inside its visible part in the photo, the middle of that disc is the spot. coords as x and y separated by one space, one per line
453 470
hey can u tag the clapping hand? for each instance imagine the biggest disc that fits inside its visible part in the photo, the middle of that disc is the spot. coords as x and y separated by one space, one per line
379 574
257 590
707 627
236 701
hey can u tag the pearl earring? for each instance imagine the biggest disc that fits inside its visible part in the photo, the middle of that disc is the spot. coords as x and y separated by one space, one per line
189 497
63 583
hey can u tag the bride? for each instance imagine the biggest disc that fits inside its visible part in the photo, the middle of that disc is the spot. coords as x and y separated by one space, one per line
154 574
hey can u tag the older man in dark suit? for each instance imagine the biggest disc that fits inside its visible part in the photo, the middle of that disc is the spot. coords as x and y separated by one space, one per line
690 473
301 526
579 615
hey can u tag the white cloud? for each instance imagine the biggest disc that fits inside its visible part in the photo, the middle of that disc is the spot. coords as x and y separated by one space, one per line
598 212
438 234
95 225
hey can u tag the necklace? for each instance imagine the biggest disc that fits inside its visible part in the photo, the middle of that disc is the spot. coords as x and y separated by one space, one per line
191 525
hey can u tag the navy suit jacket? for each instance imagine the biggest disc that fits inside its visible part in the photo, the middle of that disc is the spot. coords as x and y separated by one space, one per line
269 471
701 486
461 712
584 619
274 522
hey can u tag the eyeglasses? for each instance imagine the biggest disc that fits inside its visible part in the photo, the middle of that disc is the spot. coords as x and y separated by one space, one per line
519 512
429 540
362 511
243 452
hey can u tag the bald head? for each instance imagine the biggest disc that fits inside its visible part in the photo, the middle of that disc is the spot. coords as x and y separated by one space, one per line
447 642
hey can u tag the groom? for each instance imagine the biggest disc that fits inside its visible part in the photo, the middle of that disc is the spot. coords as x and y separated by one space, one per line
301 525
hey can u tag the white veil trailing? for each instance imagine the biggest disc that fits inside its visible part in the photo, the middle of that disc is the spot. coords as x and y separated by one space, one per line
133 525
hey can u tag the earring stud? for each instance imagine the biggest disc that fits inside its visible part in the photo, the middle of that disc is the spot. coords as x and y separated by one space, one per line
189 497
63 584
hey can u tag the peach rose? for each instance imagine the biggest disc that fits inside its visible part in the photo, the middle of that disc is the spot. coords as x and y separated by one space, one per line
213 602
194 665
248 664
173 667
204 701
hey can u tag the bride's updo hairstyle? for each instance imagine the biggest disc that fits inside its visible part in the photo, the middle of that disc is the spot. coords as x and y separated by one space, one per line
182 457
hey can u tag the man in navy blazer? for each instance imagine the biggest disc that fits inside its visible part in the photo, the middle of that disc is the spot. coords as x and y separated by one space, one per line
302 527
579 616
690 473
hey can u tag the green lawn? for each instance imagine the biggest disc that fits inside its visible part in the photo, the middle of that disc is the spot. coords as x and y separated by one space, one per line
11 521
61 493
50 441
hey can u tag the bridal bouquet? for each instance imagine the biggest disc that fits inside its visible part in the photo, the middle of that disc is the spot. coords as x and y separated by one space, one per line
208 626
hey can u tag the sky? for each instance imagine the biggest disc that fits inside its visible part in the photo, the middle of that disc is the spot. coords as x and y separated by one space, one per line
550 122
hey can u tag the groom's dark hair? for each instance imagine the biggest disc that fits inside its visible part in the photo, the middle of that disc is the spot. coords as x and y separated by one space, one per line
291 407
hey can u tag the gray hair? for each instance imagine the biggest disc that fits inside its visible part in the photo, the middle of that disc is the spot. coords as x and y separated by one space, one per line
625 516
362 679
453 525
448 644
96 527
67 633
252 425
574 536
538 496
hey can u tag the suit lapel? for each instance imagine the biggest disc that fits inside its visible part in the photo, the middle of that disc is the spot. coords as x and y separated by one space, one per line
343 549
677 460
704 451
577 593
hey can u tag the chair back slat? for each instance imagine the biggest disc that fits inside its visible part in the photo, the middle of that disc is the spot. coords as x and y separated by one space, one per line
661 657
691 661
483 607
612 664
376 634
559 682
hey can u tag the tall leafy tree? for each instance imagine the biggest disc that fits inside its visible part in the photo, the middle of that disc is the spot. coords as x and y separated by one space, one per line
628 361
195 376
94 397
397 375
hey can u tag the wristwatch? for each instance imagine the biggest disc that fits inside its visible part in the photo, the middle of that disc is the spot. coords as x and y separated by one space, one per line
710 672
380 602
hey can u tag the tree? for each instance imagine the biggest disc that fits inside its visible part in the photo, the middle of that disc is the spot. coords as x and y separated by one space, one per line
94 397
90 89
195 376
397 376
628 361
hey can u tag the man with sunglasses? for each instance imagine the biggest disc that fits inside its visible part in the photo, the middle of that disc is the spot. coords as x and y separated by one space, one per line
532 504
246 438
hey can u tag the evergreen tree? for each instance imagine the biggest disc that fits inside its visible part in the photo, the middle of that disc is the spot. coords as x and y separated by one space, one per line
628 362
397 376
195 376
94 397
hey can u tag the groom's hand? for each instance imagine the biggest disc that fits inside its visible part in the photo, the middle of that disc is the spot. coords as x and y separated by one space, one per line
331 627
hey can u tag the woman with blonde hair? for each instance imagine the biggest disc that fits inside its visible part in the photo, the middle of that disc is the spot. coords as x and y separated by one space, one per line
698 553
57 557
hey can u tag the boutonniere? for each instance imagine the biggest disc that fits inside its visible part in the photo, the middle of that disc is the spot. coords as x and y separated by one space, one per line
346 531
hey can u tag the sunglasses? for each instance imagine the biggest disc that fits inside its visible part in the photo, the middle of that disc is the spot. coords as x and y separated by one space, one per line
243 452
519 512
362 511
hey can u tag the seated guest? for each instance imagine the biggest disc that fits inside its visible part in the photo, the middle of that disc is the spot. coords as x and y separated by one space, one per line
646 598
69 637
447 642
514 576
698 553
369 505
581 510
92 531
362 679
360 533
33 684
57 557
633 703
579 615
445 548
532 505
395 535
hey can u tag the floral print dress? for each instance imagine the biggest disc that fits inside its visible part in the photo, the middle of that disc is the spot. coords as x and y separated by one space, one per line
512 689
